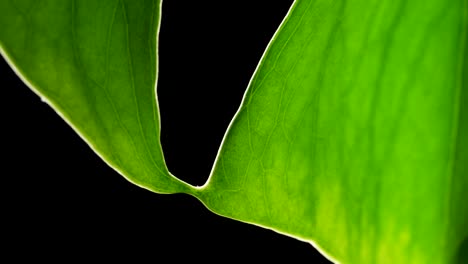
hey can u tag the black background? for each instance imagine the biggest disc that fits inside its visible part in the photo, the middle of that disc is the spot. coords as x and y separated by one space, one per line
60 199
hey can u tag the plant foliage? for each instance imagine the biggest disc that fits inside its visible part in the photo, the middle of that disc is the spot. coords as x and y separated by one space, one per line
352 134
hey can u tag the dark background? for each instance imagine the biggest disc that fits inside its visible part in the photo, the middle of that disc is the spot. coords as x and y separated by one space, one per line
60 199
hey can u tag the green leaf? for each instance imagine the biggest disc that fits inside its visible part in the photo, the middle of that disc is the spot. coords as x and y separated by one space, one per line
352 135
94 62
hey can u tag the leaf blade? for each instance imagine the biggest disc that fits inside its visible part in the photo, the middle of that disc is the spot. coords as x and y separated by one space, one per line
90 62
352 104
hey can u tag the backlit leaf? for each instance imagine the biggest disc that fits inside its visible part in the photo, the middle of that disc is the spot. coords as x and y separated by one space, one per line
352 135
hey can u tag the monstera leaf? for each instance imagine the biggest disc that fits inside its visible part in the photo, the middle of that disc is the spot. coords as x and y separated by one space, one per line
352 134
